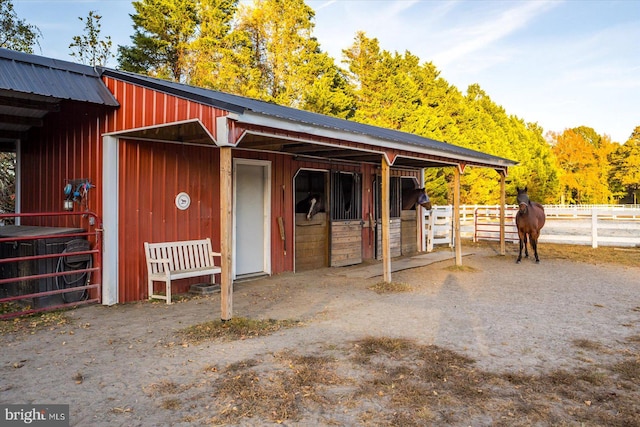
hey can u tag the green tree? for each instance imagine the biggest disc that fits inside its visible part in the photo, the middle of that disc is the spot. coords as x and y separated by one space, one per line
289 67
89 48
625 169
219 55
163 32
16 33
397 91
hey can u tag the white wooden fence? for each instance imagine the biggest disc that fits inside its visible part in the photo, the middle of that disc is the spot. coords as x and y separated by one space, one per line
607 225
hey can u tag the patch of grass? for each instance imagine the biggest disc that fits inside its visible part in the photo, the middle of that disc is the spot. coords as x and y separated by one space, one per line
390 287
296 382
634 339
399 382
587 344
414 382
161 388
579 253
32 323
460 268
237 328
583 253
171 404
628 369
394 347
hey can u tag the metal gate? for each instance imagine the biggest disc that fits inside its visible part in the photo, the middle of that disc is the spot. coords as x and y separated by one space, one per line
346 218
54 262
487 224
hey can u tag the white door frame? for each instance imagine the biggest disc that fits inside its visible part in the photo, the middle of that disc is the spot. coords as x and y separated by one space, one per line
266 211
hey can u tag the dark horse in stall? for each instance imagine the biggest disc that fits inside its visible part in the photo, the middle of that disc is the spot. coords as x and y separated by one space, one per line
311 205
413 196
529 221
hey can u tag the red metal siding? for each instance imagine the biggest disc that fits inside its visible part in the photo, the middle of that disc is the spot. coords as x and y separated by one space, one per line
142 107
63 149
151 175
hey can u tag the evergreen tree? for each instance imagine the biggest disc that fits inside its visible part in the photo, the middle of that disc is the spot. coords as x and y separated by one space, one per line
218 56
625 169
396 91
163 32
288 66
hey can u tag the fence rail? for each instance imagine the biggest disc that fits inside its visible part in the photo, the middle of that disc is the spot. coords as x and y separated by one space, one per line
44 266
606 225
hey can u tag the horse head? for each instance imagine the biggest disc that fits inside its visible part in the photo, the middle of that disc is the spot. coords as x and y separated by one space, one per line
523 200
413 196
424 200
316 204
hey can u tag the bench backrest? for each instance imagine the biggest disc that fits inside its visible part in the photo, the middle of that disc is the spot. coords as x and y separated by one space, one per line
184 255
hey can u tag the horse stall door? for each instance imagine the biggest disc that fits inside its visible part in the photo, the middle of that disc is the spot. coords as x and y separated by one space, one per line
311 233
409 220
395 221
346 219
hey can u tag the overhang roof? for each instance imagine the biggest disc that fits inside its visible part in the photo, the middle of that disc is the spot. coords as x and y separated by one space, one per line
253 112
31 86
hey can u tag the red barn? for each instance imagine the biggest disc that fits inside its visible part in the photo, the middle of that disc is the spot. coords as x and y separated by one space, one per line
169 162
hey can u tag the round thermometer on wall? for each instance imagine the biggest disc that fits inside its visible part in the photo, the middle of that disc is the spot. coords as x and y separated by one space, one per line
183 201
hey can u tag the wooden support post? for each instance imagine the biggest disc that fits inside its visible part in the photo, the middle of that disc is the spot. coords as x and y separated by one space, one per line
386 246
226 233
456 216
503 202
420 244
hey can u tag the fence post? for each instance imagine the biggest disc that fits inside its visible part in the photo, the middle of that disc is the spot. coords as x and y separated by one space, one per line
594 227
430 231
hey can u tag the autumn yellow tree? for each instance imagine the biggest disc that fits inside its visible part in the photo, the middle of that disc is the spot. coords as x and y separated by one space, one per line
582 157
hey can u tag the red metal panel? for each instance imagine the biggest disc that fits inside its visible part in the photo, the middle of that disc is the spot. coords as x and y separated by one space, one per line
143 107
151 175
64 148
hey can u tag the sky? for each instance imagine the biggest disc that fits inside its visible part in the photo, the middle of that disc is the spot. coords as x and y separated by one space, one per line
560 64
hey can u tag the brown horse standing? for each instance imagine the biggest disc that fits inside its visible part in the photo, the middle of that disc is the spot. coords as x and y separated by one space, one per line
529 220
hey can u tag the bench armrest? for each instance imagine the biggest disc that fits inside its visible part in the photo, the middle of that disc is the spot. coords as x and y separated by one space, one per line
165 262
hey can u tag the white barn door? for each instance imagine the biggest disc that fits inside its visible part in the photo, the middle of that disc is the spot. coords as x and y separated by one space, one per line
252 207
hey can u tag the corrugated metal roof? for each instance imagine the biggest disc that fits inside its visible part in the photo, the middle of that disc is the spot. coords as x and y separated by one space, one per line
240 104
37 75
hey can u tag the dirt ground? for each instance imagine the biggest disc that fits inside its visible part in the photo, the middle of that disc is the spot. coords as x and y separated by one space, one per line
555 343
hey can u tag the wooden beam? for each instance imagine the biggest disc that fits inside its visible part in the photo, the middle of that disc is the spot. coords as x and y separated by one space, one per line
420 217
456 216
30 104
226 233
503 201
386 245
21 120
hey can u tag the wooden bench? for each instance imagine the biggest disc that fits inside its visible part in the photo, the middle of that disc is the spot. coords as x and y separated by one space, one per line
178 260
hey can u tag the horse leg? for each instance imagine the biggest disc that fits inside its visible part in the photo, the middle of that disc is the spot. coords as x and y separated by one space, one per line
521 238
526 250
534 246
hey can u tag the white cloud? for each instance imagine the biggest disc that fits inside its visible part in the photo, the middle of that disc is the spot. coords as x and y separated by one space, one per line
475 37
